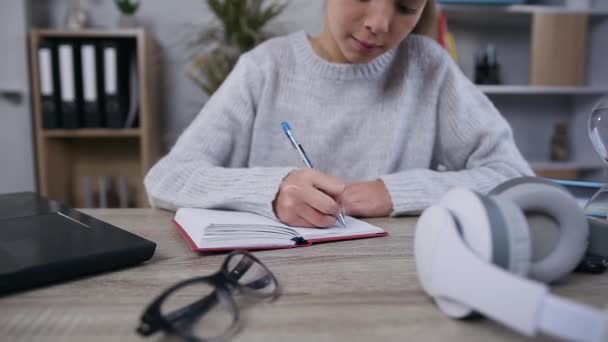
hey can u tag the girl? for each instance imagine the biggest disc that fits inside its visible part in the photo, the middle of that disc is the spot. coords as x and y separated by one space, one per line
389 120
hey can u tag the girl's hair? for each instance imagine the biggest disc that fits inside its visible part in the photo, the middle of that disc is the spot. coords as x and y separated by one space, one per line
428 20
427 24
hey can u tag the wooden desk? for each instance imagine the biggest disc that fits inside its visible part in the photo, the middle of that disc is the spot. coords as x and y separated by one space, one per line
364 290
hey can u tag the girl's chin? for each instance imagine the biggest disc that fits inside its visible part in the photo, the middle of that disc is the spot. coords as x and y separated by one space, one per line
358 57
354 58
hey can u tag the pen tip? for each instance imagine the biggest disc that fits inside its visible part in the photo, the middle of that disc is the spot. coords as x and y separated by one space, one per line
341 219
285 125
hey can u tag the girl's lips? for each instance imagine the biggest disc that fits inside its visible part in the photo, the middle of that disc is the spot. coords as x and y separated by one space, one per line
365 46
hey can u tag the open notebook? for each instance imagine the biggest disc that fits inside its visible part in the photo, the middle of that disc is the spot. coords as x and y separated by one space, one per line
219 230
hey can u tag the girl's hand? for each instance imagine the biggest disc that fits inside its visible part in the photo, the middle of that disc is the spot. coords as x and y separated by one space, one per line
367 199
308 198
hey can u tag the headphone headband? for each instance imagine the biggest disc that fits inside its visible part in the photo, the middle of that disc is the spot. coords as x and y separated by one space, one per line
462 276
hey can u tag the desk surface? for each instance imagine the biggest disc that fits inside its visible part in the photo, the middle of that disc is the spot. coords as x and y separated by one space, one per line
362 290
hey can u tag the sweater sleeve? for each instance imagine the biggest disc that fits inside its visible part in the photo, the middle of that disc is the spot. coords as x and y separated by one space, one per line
473 142
207 167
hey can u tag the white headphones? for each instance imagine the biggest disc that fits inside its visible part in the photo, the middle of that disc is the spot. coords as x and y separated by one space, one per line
476 253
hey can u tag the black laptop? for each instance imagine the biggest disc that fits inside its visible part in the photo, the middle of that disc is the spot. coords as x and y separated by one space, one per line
44 241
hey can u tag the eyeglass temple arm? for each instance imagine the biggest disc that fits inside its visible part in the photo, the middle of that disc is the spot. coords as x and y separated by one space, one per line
204 304
199 307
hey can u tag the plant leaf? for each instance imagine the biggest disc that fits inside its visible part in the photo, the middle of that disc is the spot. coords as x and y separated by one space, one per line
239 28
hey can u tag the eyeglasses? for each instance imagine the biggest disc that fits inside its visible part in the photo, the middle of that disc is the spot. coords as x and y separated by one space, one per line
203 308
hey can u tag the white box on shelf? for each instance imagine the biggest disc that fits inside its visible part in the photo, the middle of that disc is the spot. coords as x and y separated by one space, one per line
578 4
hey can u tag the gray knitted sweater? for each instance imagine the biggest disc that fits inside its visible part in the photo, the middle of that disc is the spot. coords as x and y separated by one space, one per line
409 117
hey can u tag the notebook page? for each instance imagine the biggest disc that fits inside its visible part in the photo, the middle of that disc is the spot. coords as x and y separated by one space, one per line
353 227
249 242
222 228
207 217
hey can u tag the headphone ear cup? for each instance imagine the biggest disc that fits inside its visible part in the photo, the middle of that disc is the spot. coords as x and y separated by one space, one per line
544 232
519 181
518 237
561 220
432 223
496 231
473 224
473 220
493 231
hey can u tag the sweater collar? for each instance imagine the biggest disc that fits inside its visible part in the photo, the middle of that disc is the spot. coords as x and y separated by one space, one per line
306 55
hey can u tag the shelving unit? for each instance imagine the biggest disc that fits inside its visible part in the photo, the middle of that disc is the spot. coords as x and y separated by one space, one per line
65 156
499 10
541 90
533 110
545 165
509 15
92 133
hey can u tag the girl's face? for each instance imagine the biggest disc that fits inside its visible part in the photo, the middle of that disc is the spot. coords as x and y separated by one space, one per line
357 31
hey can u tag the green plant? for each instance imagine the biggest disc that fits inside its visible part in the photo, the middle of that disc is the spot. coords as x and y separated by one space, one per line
127 7
239 26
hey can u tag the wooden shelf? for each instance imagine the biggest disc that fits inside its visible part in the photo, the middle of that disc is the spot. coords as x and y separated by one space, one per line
92 133
91 33
541 90
570 170
570 165
508 15
551 61
518 9
69 159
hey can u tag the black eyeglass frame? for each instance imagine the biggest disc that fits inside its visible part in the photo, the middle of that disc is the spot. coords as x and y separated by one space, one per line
225 282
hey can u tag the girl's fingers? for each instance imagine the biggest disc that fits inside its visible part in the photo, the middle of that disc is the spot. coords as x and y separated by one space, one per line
329 185
300 222
308 198
315 218
319 201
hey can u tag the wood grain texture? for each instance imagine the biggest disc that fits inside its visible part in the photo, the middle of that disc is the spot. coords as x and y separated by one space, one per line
59 152
559 49
361 290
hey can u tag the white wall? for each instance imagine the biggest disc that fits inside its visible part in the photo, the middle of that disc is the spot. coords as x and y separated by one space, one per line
171 22
16 142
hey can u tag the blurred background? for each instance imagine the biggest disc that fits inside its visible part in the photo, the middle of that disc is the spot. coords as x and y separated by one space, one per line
93 92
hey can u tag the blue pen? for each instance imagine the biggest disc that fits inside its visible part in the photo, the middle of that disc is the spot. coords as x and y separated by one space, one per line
296 144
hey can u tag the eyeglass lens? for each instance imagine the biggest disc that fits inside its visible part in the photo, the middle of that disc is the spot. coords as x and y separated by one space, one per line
211 312
204 308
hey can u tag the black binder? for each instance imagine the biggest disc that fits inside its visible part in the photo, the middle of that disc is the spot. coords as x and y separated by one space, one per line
92 85
48 71
71 84
116 78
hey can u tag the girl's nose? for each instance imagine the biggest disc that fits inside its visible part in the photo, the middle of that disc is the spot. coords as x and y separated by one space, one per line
378 18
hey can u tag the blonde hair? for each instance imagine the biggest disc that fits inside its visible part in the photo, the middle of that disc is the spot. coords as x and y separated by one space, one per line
427 24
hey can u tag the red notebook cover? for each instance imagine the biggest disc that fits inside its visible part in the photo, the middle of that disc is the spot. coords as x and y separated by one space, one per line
307 243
